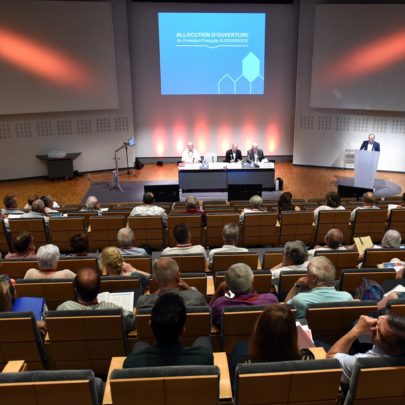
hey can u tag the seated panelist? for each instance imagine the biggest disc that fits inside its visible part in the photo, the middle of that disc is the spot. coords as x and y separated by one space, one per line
234 154
190 154
255 154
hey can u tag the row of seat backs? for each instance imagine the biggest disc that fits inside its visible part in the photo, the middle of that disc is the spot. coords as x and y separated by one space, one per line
374 380
258 230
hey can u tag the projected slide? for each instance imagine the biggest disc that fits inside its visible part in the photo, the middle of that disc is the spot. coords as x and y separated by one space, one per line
212 53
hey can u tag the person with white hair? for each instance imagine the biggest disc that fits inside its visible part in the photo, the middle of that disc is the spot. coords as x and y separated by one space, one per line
48 257
255 206
233 155
190 154
237 289
316 287
255 154
92 204
125 238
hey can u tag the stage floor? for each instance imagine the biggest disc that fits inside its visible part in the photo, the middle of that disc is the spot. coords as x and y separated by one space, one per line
303 182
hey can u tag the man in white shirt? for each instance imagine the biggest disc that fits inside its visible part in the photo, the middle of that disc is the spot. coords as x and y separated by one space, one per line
149 209
368 203
182 234
230 235
191 155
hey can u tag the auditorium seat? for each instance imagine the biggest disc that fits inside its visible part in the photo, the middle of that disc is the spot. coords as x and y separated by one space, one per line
222 261
119 212
46 387
286 281
215 224
36 227
143 263
20 339
147 230
193 221
197 385
329 219
85 339
82 214
261 281
370 222
5 245
342 259
190 263
198 323
396 220
272 258
350 279
196 280
397 306
296 226
62 230
330 321
288 382
377 380
260 229
103 231
374 257
237 324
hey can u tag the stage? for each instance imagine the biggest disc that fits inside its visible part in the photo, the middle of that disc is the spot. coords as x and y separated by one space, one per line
302 181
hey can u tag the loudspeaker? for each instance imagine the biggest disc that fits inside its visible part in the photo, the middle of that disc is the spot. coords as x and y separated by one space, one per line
138 164
164 192
243 191
351 191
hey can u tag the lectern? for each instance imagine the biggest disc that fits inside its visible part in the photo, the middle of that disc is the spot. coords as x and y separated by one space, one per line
365 168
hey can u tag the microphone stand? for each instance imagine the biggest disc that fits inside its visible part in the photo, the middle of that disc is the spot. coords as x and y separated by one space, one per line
128 172
115 183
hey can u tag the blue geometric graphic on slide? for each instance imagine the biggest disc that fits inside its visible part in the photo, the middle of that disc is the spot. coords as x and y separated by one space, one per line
212 53
250 72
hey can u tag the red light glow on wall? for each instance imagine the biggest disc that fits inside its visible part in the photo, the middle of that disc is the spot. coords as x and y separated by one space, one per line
159 140
272 137
180 136
224 138
368 58
201 133
41 60
249 135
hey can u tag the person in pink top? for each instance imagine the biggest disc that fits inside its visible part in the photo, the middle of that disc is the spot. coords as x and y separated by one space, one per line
48 257
24 247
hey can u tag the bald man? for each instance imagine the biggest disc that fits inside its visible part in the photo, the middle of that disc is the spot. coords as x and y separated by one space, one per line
255 154
234 154
191 155
371 144
86 287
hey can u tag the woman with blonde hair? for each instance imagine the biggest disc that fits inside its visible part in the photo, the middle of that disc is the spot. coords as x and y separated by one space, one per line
111 263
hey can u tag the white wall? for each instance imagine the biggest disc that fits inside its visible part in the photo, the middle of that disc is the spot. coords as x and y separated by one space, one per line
322 135
95 134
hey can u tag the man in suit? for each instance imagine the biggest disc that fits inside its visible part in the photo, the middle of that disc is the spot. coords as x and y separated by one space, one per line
233 154
370 144
255 154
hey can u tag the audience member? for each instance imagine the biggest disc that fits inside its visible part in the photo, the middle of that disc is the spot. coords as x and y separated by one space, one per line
112 264
168 320
255 205
149 209
92 205
230 235
193 207
333 241
37 211
316 287
184 246
368 203
274 338
49 205
7 297
30 200
388 337
125 238
237 289
24 247
79 244
86 287
285 204
167 276
294 259
332 202
11 206
48 257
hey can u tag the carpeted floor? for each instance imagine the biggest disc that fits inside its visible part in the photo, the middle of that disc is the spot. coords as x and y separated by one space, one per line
383 188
